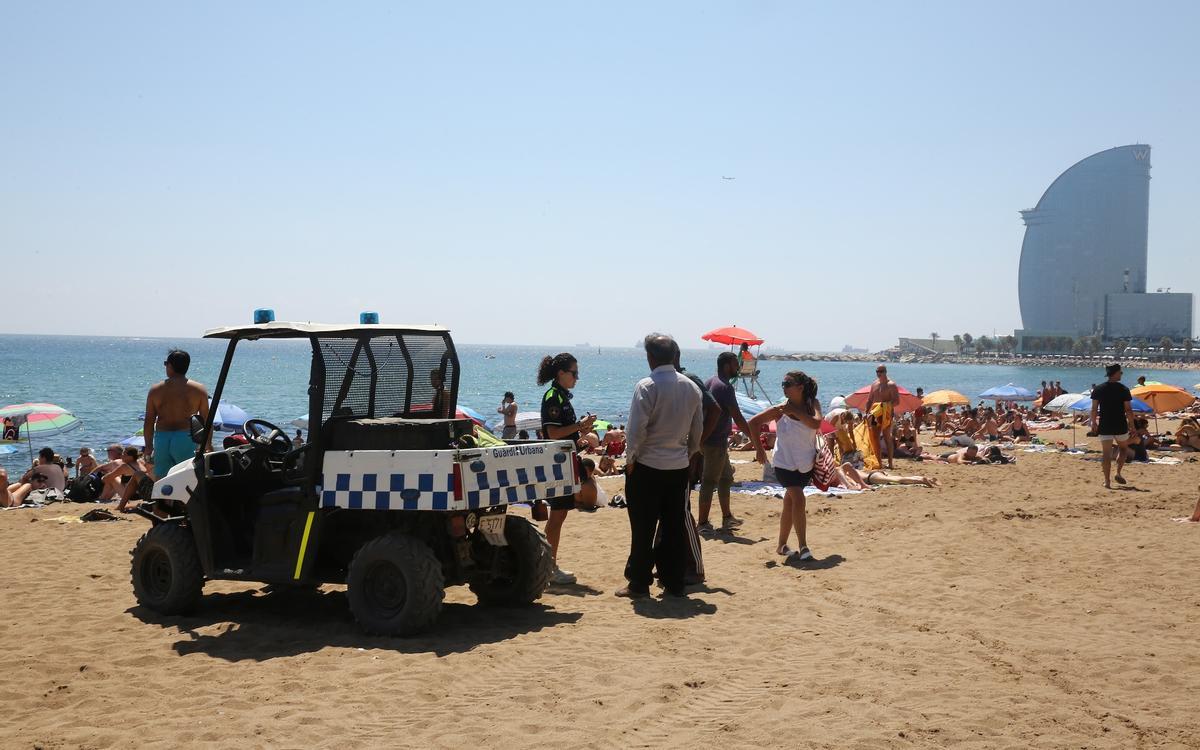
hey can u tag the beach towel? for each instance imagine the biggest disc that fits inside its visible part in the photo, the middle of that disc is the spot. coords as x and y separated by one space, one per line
882 411
1159 460
770 489
868 446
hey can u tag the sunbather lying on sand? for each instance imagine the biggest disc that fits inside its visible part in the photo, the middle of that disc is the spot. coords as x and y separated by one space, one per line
968 455
856 480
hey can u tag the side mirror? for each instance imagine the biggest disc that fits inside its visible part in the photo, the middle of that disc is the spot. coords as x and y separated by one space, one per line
196 427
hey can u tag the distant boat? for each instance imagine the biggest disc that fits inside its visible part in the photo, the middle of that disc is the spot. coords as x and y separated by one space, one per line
489 356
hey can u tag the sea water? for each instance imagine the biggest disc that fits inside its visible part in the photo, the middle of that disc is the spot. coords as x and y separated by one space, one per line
103 381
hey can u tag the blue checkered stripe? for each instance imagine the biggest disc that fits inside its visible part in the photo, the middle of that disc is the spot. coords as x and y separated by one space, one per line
522 494
486 480
518 485
388 491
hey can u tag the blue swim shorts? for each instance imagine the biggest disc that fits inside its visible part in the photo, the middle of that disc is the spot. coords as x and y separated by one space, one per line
170 448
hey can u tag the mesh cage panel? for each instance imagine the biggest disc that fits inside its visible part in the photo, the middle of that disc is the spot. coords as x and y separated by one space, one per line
387 376
431 363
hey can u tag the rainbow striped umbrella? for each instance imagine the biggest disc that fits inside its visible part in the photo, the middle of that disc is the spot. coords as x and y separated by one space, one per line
44 424
16 410
40 420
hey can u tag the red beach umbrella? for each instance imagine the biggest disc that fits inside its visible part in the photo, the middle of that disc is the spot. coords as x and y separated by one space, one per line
908 402
733 336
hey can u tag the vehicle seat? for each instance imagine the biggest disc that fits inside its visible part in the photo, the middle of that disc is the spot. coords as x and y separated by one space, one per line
394 433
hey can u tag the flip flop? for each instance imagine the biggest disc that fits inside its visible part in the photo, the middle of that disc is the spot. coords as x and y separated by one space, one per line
1120 479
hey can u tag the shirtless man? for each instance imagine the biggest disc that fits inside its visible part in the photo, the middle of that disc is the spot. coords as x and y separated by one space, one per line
508 407
967 455
885 393
86 463
169 409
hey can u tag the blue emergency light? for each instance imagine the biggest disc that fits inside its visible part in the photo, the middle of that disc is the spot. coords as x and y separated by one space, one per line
368 318
264 315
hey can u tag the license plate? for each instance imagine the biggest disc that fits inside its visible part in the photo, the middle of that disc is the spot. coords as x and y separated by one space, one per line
493 529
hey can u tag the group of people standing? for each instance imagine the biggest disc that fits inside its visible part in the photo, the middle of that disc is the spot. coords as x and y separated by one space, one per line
677 436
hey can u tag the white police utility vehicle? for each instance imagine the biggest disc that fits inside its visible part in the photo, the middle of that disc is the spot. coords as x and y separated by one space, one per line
391 494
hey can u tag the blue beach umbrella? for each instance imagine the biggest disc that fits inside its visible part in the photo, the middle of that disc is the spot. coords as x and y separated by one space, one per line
229 417
472 414
136 441
1138 405
1008 392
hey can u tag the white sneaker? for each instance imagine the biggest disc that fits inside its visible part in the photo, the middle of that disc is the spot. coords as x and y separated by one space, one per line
805 554
562 577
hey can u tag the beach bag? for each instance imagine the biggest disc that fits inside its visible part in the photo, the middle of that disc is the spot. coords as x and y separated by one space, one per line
824 466
85 489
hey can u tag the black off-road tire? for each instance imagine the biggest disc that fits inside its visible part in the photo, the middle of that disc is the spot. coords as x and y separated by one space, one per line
395 585
531 560
165 570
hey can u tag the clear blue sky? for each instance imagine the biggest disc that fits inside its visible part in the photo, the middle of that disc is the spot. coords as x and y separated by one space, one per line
551 173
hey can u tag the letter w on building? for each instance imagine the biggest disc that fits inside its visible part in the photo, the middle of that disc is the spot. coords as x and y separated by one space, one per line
1141 154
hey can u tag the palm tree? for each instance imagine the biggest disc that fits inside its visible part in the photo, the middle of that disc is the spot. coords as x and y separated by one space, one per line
1188 344
958 342
1119 347
985 344
1010 343
1165 344
968 339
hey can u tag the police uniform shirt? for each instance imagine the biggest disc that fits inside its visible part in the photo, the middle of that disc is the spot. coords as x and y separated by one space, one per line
557 411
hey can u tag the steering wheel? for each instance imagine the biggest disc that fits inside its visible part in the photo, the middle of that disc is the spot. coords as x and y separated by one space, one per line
262 433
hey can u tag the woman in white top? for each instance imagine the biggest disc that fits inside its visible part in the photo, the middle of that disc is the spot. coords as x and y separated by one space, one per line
797 421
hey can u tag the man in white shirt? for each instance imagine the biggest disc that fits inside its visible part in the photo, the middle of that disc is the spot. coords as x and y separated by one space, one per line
663 433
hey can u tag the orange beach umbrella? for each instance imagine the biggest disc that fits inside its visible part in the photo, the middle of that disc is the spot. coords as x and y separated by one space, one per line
945 398
733 336
908 402
1163 398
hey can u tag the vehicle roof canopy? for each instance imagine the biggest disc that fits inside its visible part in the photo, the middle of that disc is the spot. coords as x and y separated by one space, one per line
291 330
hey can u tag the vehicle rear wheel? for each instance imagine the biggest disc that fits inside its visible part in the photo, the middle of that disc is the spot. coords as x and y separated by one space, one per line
395 585
166 571
522 569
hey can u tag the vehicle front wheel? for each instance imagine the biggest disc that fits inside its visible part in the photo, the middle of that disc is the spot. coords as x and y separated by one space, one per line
166 570
395 585
520 571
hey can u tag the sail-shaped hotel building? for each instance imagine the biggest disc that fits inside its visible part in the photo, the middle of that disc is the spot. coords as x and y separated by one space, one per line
1084 257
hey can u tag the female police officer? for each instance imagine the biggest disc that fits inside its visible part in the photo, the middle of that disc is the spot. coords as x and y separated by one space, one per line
559 423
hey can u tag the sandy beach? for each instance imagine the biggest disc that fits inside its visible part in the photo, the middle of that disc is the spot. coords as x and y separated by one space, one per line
1019 606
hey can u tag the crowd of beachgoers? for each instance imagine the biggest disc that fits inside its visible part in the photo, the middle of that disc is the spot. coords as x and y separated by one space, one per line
853 446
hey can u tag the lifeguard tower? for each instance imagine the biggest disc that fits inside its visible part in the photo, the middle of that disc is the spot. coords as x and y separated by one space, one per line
748 371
